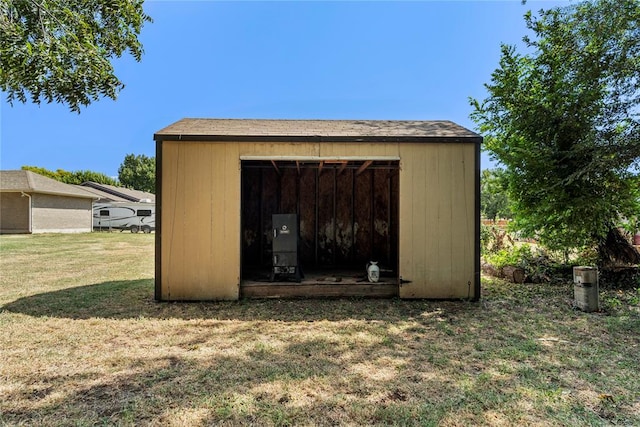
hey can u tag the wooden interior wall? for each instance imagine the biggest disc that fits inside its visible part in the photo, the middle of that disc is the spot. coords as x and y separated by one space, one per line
346 218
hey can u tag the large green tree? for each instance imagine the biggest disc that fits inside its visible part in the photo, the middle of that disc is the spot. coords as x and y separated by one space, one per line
61 50
138 172
494 202
563 119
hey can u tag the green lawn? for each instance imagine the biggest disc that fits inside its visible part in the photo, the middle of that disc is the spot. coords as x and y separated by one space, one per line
83 343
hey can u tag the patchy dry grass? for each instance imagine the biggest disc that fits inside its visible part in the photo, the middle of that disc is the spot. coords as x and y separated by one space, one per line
82 343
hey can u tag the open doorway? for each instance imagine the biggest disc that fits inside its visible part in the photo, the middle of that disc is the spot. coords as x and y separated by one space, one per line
347 212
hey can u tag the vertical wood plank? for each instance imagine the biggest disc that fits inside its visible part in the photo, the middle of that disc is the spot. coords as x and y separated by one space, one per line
344 215
251 217
307 216
362 226
381 211
173 194
414 192
395 220
269 206
229 285
326 218
468 155
196 211
215 186
424 241
446 186
288 193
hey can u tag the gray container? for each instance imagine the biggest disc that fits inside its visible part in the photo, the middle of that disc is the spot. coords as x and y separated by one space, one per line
585 288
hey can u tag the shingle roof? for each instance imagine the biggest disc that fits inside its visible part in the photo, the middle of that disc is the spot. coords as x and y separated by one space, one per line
118 194
103 196
31 182
322 130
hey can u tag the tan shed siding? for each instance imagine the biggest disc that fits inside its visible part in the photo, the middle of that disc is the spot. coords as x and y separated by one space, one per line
437 220
14 213
313 149
60 214
201 219
200 257
277 149
355 150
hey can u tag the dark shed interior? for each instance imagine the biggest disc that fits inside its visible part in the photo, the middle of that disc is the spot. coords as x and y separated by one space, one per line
347 210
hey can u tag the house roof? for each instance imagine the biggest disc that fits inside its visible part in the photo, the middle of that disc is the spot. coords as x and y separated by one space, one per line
117 194
31 182
316 130
102 196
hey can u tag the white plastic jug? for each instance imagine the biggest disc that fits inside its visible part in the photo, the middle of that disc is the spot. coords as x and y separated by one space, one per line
373 271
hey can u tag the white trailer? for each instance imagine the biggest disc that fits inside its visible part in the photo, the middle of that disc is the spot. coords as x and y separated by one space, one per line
130 216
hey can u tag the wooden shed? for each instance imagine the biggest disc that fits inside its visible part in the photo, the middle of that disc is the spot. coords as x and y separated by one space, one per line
402 193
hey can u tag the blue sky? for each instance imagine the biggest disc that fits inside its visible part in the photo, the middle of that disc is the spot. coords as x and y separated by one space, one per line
298 60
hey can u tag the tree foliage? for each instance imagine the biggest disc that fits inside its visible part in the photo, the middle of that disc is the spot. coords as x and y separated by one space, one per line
138 172
55 50
494 202
76 177
563 119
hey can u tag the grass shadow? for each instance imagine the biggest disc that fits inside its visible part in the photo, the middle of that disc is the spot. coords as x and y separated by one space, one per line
130 299
115 300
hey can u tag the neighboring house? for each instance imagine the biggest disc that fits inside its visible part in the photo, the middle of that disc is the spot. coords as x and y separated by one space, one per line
32 203
403 193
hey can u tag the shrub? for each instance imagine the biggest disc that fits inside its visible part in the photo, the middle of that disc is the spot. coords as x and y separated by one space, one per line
515 256
539 265
494 239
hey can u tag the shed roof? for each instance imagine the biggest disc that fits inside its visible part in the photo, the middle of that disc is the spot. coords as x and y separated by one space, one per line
31 182
316 130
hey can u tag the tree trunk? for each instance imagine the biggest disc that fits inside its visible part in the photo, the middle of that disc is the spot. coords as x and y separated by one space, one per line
514 274
491 270
616 249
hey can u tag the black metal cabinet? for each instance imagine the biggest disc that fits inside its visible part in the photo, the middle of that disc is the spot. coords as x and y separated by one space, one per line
285 247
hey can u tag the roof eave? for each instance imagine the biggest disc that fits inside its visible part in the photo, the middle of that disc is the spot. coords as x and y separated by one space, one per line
470 139
51 193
